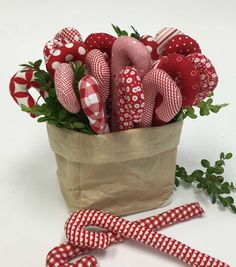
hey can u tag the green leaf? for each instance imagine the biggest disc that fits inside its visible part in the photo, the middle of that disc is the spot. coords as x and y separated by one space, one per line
218 170
219 163
205 163
222 155
176 182
79 125
42 119
62 115
213 199
214 109
233 207
230 200
228 156
197 173
223 201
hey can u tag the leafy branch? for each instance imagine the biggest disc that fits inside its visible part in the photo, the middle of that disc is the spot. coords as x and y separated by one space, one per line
210 181
204 108
51 110
120 32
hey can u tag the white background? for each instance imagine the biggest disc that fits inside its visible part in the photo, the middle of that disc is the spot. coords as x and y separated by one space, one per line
32 211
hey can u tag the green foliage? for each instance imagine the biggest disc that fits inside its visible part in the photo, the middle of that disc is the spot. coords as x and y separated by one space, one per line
52 111
210 180
204 109
120 32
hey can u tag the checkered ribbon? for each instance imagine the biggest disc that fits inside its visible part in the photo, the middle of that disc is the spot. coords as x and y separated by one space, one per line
143 231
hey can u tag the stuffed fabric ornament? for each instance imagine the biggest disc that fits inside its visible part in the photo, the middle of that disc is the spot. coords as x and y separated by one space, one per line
130 98
126 51
19 87
154 82
181 69
64 80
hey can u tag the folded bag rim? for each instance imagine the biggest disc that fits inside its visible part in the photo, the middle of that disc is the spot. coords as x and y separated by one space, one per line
116 146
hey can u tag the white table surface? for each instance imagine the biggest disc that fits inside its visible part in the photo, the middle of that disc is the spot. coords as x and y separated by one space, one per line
32 208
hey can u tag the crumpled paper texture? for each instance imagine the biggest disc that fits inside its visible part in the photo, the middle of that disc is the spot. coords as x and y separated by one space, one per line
120 173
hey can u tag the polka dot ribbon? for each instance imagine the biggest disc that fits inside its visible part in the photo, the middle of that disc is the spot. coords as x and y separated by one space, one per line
142 231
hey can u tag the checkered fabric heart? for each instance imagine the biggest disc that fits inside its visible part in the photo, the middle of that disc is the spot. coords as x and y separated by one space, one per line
92 105
142 231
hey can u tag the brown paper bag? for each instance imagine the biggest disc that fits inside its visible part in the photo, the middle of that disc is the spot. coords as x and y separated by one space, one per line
120 173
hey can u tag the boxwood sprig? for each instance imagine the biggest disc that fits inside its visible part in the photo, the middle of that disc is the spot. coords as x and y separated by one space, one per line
205 108
210 180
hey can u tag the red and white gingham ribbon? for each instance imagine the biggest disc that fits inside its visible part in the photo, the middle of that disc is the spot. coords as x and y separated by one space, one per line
118 229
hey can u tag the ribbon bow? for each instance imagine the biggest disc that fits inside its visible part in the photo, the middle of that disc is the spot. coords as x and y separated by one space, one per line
142 231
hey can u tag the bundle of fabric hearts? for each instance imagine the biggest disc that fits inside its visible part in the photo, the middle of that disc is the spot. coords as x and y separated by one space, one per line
128 82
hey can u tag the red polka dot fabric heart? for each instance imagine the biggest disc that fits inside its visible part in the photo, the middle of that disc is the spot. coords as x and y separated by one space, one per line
81 240
182 70
181 44
130 98
208 76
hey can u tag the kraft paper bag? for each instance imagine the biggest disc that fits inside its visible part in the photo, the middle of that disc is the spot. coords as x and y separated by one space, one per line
120 173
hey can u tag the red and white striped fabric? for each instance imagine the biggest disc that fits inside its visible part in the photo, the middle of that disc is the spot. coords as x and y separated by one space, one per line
20 83
155 82
130 98
92 105
163 36
99 69
142 231
64 80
